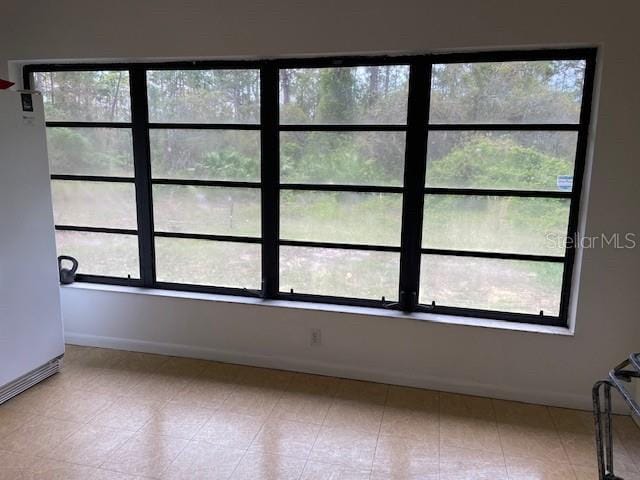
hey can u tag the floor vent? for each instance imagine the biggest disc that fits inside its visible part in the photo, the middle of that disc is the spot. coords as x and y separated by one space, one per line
21 384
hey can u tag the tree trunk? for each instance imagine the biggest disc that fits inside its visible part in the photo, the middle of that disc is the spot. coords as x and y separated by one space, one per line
285 81
374 81
114 103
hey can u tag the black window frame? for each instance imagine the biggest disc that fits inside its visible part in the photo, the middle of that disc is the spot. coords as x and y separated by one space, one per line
413 190
134 180
148 126
346 188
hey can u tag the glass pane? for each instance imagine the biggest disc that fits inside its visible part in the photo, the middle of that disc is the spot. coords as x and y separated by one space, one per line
351 158
497 160
206 154
496 224
204 262
344 95
204 96
94 204
342 217
209 210
101 253
90 151
340 273
491 284
85 96
507 92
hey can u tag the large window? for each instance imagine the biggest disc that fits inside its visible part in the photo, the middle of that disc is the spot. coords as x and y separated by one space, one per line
445 183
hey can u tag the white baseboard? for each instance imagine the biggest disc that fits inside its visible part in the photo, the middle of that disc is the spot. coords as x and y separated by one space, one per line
344 371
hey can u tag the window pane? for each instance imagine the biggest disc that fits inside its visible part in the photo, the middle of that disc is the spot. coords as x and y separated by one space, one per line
496 224
204 262
344 95
491 284
94 204
340 273
507 92
496 160
85 96
90 151
209 210
101 253
206 154
204 96
353 158
343 217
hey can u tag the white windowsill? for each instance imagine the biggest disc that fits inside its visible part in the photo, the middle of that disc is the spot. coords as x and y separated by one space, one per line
328 307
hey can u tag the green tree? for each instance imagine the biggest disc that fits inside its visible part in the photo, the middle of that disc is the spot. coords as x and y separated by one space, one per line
337 96
485 162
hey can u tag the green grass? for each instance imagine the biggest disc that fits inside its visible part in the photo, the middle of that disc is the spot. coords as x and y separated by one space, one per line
505 224
101 253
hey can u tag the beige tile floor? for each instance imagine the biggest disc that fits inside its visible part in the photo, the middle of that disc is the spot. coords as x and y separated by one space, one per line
120 415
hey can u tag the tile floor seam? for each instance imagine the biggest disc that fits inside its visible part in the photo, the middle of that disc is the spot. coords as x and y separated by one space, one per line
299 477
79 426
439 434
320 427
618 439
90 419
246 452
375 450
304 468
37 453
326 413
556 429
122 442
504 456
124 473
67 462
558 434
334 399
143 476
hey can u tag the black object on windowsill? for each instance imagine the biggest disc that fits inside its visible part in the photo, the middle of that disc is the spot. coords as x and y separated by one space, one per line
67 275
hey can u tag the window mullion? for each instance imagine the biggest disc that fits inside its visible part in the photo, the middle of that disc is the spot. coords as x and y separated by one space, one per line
578 175
142 171
414 182
269 168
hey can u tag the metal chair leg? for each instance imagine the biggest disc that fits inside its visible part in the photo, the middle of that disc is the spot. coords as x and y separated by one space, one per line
604 431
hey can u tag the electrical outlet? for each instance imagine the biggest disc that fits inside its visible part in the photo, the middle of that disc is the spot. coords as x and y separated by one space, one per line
316 337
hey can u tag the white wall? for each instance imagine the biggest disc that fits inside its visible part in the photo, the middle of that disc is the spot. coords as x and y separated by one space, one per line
556 369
